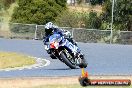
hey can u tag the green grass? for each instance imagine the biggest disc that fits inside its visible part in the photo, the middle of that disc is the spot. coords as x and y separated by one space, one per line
79 86
11 60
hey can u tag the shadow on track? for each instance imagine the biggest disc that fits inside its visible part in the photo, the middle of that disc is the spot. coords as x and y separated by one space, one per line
61 69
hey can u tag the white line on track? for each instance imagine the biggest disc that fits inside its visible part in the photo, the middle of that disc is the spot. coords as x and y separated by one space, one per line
39 63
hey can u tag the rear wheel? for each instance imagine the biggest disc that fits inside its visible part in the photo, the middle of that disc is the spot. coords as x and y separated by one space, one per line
67 61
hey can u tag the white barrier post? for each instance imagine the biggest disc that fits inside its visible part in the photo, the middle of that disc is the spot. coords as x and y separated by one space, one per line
72 32
111 36
36 32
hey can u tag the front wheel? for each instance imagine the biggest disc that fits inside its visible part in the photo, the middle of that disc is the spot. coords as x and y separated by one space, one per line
66 60
83 63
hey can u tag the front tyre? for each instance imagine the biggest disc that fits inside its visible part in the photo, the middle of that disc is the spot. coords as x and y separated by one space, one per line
66 60
83 63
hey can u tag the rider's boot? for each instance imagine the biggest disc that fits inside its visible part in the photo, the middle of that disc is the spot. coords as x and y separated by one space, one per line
52 56
48 51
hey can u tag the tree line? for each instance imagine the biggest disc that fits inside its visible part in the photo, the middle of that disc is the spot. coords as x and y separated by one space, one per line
42 11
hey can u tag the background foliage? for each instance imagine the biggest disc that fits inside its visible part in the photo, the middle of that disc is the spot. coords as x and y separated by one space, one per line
122 14
37 11
41 11
75 19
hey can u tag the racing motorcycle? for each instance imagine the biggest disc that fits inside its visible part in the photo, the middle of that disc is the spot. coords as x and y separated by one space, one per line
65 51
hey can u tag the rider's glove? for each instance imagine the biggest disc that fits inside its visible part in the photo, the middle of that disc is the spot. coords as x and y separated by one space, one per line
67 34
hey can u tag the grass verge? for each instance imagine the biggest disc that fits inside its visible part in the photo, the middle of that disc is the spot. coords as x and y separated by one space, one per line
11 60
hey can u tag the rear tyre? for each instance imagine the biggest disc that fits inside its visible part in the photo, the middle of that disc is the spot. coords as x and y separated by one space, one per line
67 61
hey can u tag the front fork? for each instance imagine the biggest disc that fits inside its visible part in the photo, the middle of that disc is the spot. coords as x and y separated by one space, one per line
76 57
56 53
79 58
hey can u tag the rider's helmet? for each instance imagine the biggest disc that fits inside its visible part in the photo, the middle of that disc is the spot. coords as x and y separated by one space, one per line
49 28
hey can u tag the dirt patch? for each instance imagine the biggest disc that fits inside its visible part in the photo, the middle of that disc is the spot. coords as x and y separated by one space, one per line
86 9
4 33
35 81
38 81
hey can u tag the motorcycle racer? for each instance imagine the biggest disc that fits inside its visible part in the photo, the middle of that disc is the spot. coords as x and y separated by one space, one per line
60 45
50 29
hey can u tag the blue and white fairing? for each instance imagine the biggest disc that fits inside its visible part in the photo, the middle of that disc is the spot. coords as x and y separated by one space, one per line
63 42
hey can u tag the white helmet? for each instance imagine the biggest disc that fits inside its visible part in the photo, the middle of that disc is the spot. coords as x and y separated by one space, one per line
49 25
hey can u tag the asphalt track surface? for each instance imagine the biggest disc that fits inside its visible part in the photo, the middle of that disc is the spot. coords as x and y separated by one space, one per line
103 59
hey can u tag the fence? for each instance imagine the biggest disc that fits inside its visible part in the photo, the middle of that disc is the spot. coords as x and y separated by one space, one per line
33 31
21 31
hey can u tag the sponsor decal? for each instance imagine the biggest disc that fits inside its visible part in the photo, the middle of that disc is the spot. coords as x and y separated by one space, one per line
85 81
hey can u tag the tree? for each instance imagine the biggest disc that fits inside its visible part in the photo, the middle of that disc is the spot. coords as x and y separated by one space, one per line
68 19
93 21
122 14
79 1
6 3
94 2
0 5
37 11
61 2
79 20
